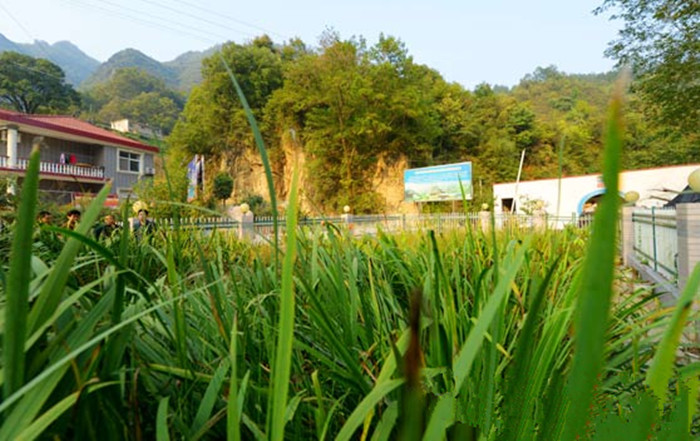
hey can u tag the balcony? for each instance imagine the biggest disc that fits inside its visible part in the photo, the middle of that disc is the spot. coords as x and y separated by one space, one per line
55 168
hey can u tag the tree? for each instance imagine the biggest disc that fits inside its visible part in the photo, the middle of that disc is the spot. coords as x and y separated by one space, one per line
353 107
661 41
213 121
33 85
135 94
223 187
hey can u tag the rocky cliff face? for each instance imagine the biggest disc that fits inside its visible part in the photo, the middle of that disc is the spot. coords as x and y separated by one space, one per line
249 178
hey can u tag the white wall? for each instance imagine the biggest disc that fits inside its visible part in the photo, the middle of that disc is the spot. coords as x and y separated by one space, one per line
120 126
650 184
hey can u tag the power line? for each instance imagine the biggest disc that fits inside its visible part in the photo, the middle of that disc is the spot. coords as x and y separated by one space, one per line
219 14
112 12
41 48
173 22
204 20
18 23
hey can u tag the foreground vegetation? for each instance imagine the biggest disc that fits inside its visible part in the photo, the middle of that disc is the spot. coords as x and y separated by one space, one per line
467 335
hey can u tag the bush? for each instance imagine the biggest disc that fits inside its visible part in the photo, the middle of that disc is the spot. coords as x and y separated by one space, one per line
223 186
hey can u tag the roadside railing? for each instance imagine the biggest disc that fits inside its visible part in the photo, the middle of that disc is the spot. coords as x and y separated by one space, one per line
656 240
390 223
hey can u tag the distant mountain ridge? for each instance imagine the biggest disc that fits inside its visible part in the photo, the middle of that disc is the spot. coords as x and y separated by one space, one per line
131 58
84 72
75 63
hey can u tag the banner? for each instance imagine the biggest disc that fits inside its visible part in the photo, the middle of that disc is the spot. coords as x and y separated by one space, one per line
438 183
195 177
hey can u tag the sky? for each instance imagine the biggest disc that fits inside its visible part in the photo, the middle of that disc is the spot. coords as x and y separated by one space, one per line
468 41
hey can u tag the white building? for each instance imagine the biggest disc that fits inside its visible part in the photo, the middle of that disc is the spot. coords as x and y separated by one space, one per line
127 126
655 187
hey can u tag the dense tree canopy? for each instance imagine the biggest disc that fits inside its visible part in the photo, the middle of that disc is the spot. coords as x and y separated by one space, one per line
34 85
213 121
353 106
660 39
134 94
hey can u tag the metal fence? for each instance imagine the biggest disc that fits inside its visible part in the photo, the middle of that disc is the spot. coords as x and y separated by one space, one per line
656 240
371 224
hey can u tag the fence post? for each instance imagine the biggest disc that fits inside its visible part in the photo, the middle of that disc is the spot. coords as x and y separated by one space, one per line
485 220
688 229
627 234
246 226
539 220
653 237
347 219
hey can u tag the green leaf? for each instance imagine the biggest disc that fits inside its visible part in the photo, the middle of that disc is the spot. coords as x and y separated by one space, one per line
366 406
162 431
50 294
34 430
661 368
17 304
211 395
467 353
285 339
595 290
441 419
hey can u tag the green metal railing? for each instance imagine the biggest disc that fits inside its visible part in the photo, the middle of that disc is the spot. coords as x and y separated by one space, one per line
656 240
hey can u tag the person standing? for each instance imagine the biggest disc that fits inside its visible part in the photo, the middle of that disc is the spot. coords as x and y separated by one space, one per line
107 228
142 224
45 218
72 219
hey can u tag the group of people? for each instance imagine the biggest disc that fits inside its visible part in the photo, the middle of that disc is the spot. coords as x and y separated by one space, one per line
107 228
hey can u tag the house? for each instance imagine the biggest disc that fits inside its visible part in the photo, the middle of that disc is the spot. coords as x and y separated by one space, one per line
77 158
655 187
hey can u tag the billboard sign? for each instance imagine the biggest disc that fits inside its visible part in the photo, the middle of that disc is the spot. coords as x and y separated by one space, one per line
438 183
195 177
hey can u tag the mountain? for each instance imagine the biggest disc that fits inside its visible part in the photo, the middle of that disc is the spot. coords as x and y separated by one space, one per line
131 58
75 63
7 45
81 70
188 67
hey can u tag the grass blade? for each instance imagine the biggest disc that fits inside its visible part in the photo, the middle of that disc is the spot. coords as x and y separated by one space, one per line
34 430
17 306
367 404
283 356
441 419
263 154
469 350
162 432
661 368
595 290
50 294
209 400
233 421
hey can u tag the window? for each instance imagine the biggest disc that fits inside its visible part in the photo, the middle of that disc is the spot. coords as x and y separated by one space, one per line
129 162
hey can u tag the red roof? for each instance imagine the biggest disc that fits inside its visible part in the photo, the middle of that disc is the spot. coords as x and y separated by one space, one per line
73 126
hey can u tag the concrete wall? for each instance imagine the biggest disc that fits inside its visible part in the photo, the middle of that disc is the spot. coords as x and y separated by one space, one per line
651 184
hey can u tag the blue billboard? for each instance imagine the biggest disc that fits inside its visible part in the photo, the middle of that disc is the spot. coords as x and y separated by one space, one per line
438 183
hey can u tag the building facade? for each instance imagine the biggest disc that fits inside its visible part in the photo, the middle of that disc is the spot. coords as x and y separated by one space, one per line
655 186
77 158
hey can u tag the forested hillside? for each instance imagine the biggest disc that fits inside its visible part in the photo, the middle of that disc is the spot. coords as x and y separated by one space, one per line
351 105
